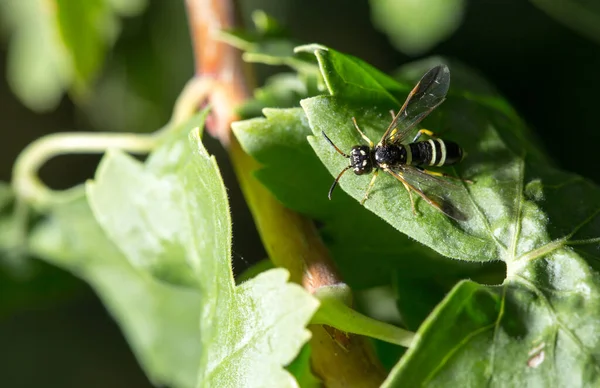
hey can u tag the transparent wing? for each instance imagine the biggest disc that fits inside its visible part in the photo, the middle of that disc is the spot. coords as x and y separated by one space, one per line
427 95
446 195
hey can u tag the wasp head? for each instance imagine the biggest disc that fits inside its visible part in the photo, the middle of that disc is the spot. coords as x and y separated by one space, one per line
360 159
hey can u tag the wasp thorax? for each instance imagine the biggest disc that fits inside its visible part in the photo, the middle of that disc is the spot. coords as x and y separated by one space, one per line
390 155
360 160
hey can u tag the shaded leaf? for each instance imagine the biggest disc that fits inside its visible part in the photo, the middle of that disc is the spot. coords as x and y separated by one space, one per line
127 8
582 16
270 44
416 26
86 29
301 369
145 71
59 46
39 285
283 90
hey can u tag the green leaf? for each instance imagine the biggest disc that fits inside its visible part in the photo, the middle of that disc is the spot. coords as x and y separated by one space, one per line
540 321
485 236
294 174
6 196
85 28
25 282
162 181
533 330
389 199
582 16
416 26
368 251
128 8
543 313
283 90
38 69
269 45
160 321
302 369
254 270
170 217
266 330
59 46
145 71
374 86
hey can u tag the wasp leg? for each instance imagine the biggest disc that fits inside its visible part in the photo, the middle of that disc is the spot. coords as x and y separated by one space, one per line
437 173
395 130
412 201
419 192
417 136
361 133
423 132
369 187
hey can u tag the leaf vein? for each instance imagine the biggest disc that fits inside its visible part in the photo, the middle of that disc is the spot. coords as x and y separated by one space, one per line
528 284
450 353
519 205
585 222
455 349
497 326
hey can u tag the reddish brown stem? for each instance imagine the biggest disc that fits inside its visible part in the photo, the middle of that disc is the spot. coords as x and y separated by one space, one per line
290 239
219 61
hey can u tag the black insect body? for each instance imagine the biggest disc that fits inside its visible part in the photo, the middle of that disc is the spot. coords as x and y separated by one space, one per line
404 157
433 152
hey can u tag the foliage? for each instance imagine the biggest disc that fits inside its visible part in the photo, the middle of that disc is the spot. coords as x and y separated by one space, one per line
526 326
74 36
415 26
160 259
507 296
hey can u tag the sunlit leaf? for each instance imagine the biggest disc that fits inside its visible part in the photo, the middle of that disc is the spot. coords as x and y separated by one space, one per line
297 178
159 320
518 199
535 330
156 247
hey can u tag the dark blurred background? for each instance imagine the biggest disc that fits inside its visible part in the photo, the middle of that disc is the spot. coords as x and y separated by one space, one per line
55 332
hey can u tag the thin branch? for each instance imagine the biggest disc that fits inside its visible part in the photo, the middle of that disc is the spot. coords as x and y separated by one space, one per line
290 239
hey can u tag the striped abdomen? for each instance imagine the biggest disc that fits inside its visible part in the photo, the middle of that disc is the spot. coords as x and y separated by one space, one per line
433 152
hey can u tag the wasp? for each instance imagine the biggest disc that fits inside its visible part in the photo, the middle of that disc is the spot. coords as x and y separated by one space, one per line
401 154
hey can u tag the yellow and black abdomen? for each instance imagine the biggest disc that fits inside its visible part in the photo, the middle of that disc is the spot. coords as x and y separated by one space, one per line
434 152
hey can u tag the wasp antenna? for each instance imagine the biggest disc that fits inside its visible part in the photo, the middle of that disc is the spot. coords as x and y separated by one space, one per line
334 146
336 181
